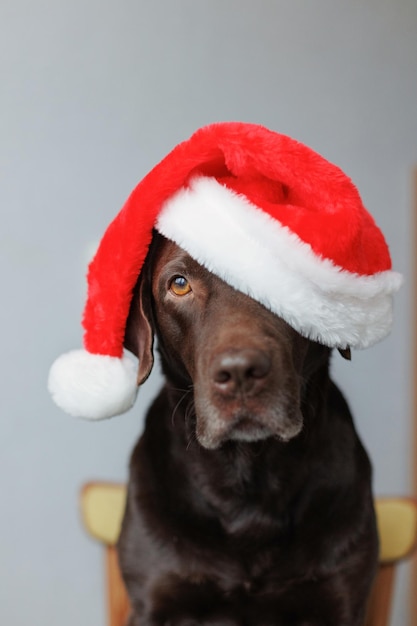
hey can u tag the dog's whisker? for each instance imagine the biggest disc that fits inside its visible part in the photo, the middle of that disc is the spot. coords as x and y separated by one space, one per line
176 407
190 411
191 434
181 390
191 439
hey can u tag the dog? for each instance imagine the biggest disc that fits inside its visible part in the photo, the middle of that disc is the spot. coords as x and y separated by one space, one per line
249 496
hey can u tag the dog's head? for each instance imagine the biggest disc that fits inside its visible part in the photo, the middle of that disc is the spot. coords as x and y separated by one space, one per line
244 366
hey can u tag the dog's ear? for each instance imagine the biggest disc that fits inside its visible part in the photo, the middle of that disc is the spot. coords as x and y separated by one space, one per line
346 354
139 335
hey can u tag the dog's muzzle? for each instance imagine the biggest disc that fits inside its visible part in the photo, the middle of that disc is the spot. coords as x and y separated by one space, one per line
241 399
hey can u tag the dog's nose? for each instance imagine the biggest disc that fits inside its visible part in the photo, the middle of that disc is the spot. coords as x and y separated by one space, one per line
240 371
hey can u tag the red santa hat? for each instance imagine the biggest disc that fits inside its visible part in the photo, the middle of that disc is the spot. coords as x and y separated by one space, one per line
266 214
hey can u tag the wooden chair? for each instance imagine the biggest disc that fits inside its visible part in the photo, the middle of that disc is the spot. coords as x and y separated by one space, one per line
102 508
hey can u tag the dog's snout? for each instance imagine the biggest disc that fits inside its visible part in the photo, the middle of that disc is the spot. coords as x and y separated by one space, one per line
240 371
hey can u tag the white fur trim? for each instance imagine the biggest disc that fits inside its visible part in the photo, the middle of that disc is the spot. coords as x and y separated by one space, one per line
257 255
93 386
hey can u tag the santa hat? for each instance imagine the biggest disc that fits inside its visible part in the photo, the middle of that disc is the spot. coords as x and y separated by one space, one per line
266 214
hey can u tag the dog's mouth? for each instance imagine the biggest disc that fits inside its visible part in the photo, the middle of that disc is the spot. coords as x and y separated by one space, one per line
246 426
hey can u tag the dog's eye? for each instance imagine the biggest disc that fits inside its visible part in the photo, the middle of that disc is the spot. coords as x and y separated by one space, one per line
180 286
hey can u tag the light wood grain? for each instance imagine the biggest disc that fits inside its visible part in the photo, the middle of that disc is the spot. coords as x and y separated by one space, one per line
118 602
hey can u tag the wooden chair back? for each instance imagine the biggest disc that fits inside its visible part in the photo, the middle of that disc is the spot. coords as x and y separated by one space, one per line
102 508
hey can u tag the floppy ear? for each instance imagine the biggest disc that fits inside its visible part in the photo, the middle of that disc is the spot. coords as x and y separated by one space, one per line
139 333
346 354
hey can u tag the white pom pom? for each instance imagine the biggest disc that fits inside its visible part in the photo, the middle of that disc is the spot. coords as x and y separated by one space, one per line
93 386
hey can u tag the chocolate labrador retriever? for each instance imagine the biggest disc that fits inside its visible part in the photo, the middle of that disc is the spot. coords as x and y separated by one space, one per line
249 499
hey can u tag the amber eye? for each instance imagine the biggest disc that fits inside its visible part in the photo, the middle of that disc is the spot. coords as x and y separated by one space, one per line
180 286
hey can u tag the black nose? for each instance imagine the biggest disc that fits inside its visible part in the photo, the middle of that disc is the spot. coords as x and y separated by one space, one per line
240 371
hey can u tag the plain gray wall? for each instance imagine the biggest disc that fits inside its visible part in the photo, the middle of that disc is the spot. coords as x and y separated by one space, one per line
93 94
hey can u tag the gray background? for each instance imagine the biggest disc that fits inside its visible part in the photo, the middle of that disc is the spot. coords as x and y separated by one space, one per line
93 94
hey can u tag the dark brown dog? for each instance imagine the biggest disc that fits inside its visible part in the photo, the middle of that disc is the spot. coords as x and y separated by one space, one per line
249 499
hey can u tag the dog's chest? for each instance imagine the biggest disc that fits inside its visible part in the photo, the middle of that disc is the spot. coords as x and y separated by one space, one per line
250 572
233 564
